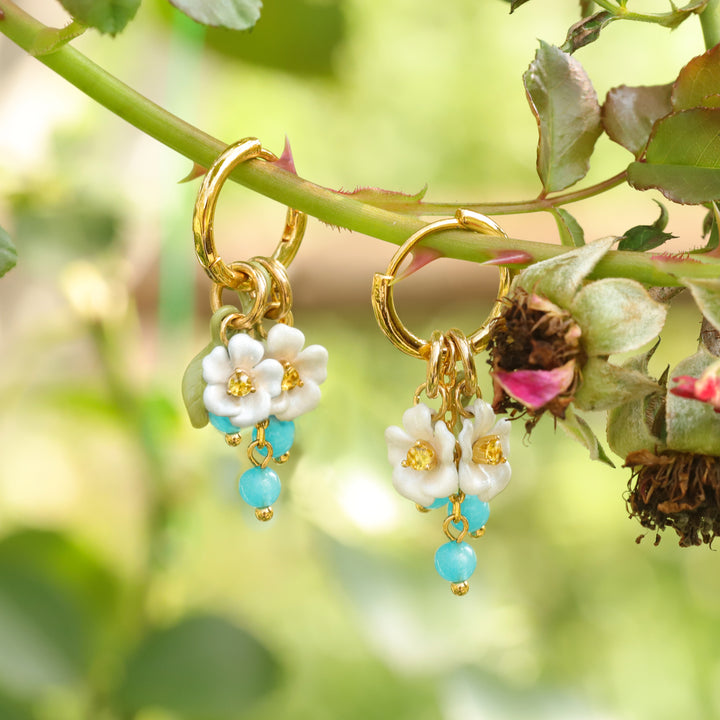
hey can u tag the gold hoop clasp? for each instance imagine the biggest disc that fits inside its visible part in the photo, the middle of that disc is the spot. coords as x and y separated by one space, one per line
219 271
382 291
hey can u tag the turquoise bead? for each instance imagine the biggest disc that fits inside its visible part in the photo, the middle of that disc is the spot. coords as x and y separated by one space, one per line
223 424
455 561
475 510
280 434
259 487
439 502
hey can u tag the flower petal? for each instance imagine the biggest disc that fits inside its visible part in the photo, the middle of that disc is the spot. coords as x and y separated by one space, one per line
296 402
267 375
398 444
484 481
536 388
218 402
216 366
422 486
444 443
311 364
251 409
483 418
417 420
244 352
284 342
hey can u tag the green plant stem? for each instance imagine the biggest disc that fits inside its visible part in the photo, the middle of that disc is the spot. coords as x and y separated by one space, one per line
671 19
287 188
510 208
710 23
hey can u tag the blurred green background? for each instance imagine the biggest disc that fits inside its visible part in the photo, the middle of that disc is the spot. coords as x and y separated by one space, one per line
134 583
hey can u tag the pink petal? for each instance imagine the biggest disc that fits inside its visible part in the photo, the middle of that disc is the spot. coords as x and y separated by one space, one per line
538 302
706 388
685 387
536 388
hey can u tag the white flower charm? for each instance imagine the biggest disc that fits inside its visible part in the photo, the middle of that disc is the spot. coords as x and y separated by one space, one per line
303 371
485 444
422 456
240 384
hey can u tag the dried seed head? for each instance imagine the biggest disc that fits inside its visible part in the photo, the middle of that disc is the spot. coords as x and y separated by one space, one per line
677 490
542 341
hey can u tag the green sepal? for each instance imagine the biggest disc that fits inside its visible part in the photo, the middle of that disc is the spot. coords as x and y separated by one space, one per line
706 293
692 426
605 386
631 426
571 233
559 278
193 384
616 315
579 430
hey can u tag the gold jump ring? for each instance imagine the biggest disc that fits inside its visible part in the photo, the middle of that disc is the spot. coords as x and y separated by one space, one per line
382 293
204 214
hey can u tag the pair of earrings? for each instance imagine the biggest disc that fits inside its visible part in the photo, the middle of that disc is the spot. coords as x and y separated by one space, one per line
452 455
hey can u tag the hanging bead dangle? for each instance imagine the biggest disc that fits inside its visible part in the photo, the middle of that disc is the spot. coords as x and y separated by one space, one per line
251 375
452 452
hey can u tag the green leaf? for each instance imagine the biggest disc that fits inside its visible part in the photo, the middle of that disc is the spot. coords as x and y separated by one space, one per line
629 114
692 426
571 234
682 158
515 4
706 293
605 386
580 431
698 82
202 668
8 253
566 107
647 237
586 31
231 14
301 37
616 315
193 385
54 602
107 16
711 223
559 278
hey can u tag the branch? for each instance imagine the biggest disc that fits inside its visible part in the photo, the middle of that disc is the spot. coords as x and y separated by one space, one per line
287 188
710 23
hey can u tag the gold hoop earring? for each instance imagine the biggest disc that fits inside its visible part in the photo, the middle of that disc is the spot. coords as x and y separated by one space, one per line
454 456
249 375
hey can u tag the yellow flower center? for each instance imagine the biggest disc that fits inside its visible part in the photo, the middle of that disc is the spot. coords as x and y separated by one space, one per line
291 378
240 384
488 451
421 456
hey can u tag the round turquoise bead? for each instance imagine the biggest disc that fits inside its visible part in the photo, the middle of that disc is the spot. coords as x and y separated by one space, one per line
475 510
223 424
259 487
438 502
455 561
280 434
